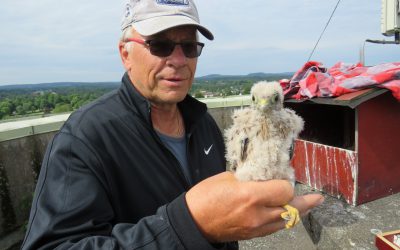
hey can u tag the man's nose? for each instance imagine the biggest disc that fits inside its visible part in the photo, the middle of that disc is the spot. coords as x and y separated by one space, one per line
177 56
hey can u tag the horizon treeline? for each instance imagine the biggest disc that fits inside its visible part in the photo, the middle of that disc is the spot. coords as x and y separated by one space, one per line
52 98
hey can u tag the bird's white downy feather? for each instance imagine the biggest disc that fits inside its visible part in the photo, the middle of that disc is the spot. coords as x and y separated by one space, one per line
270 129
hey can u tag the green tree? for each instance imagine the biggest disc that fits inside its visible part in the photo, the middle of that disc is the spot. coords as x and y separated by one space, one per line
60 108
6 107
27 107
36 102
198 94
44 104
51 100
20 110
74 101
246 90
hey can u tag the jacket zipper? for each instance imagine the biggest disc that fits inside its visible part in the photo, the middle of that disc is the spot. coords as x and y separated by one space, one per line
178 166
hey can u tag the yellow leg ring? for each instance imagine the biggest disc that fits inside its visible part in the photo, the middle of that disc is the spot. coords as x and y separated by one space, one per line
291 216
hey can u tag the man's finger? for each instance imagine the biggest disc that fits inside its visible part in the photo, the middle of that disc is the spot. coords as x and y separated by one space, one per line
271 193
306 202
271 228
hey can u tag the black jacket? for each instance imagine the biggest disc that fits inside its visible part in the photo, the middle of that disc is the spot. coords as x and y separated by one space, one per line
108 182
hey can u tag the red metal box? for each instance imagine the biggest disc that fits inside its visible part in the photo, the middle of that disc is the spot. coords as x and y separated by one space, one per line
388 241
350 146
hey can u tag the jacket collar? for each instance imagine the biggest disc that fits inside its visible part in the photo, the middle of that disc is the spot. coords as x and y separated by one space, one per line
192 109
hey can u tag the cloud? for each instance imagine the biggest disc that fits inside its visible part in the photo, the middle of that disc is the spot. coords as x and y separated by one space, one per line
43 38
47 40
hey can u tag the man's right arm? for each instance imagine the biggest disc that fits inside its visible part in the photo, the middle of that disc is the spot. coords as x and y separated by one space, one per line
72 209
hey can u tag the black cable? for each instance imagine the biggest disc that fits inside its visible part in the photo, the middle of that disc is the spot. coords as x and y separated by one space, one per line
323 31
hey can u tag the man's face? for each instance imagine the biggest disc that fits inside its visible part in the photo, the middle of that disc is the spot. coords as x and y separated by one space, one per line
161 80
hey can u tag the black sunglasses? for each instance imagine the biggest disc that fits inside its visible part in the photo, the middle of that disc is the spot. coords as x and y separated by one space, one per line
164 48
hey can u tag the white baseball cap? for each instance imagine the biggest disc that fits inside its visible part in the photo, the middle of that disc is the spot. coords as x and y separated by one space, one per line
149 17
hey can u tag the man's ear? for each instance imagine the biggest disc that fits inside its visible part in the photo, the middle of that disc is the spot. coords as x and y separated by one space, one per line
124 54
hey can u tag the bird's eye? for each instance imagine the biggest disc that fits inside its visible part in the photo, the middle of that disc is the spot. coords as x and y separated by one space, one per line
253 98
276 98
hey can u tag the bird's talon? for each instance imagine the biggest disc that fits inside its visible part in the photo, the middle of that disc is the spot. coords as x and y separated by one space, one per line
291 216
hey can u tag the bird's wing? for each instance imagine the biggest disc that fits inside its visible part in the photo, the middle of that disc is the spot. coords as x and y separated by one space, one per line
243 151
295 125
235 138
291 150
295 121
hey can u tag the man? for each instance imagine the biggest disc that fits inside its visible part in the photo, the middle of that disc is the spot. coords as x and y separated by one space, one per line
143 166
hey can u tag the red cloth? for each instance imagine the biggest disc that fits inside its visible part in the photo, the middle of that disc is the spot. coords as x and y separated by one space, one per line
314 80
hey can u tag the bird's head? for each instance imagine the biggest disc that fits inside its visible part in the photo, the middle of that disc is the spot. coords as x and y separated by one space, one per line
267 96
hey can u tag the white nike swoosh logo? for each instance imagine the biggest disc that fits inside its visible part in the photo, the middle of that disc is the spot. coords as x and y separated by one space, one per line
208 150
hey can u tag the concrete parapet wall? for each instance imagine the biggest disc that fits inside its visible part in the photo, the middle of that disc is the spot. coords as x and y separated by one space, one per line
20 161
222 116
22 146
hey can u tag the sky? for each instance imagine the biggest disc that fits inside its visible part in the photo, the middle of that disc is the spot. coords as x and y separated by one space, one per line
76 41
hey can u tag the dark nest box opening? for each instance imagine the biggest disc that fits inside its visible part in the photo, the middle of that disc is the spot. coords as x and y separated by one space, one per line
325 124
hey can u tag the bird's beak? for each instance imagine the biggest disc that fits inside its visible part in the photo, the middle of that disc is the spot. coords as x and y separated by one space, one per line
263 102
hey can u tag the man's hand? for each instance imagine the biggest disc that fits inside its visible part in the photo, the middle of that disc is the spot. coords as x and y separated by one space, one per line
225 209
